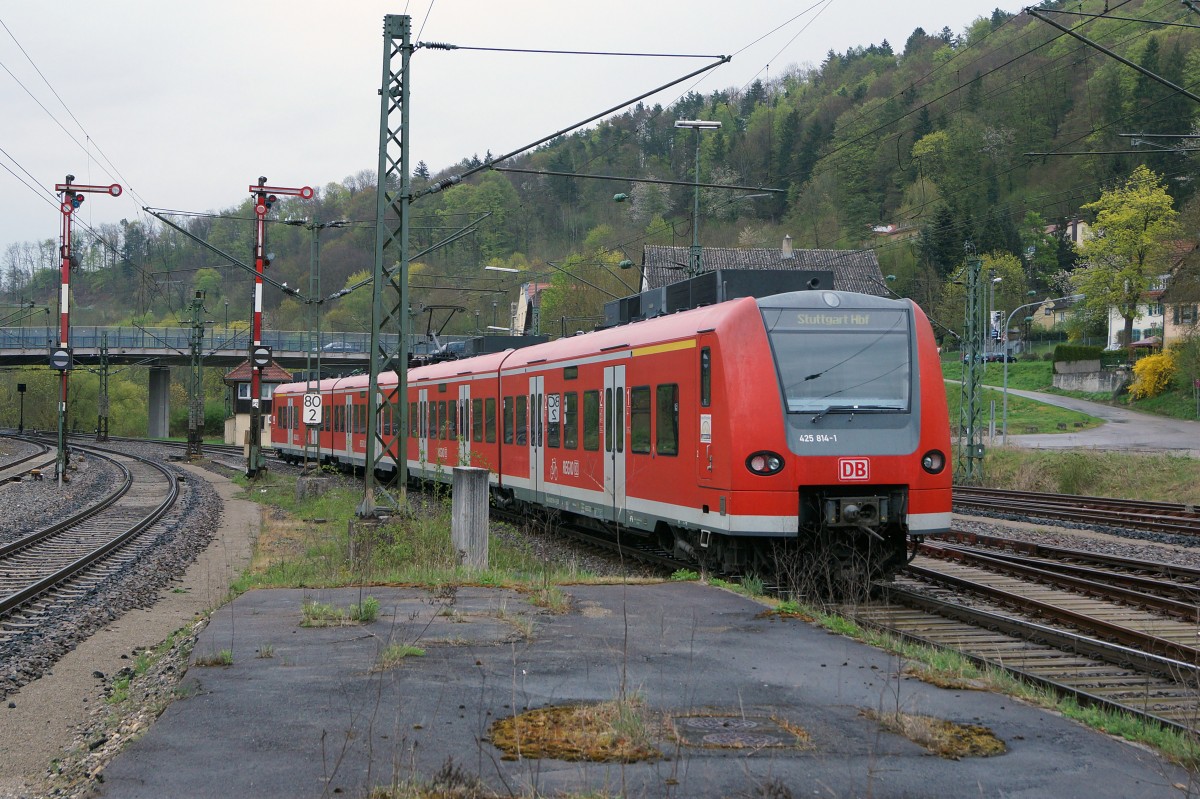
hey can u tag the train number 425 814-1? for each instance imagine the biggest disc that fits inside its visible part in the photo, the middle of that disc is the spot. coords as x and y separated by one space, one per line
818 438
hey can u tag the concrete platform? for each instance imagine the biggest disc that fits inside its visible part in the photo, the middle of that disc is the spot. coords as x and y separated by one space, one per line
316 719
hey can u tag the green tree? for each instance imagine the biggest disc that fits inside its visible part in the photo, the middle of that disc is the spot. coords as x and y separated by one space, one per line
1134 223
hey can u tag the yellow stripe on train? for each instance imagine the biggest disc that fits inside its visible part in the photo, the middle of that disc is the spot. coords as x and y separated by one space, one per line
688 344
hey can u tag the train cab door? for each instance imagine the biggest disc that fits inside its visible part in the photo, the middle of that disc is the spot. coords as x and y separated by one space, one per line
614 440
464 424
422 431
537 451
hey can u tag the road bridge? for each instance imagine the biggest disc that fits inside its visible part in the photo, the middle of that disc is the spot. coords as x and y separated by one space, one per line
159 348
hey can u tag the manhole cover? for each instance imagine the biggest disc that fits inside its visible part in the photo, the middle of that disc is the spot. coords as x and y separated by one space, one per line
734 732
738 740
718 723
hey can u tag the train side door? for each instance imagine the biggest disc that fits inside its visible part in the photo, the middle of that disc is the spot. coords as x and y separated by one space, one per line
422 433
464 424
537 452
614 439
705 453
349 423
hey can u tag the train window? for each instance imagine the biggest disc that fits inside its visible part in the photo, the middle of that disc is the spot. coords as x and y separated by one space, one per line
413 420
608 428
434 420
571 419
464 419
490 406
443 420
452 420
441 388
522 420
705 377
639 419
360 419
553 423
536 415
477 420
619 418
570 372
667 423
508 420
423 409
591 420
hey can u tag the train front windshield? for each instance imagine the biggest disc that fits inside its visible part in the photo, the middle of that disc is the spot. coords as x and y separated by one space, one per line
841 360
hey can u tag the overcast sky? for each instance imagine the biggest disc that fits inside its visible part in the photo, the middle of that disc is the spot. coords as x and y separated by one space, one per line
191 101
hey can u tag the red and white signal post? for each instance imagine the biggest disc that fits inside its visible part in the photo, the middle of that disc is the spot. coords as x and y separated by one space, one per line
264 198
70 197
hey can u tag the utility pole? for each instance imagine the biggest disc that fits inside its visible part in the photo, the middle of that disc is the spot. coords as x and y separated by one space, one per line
195 436
695 265
70 198
389 290
102 399
969 463
260 357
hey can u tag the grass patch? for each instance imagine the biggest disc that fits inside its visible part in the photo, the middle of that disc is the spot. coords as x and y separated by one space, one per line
222 658
944 738
552 598
608 732
1025 416
412 548
1160 477
393 655
320 614
684 575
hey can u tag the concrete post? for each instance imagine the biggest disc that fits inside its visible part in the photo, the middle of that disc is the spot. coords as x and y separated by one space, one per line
159 409
469 516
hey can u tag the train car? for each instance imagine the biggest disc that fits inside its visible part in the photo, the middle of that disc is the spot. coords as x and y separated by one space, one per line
811 423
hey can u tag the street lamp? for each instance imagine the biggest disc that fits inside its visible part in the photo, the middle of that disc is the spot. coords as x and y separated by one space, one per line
697 125
1004 414
991 314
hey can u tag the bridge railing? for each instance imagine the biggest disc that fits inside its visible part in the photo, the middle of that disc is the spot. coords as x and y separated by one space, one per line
86 337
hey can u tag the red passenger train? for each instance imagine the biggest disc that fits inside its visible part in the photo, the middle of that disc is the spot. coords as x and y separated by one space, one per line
810 421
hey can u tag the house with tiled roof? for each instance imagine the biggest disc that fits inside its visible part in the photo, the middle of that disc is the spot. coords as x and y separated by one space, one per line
239 380
853 270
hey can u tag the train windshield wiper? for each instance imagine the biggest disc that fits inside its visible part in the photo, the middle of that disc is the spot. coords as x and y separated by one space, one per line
853 409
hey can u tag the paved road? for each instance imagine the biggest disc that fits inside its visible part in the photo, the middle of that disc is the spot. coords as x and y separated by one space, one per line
1123 429
318 718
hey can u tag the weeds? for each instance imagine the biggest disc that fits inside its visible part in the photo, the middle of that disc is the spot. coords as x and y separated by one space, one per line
393 654
609 732
320 614
222 658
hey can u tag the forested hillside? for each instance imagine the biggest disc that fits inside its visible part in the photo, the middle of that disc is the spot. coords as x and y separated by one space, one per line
912 148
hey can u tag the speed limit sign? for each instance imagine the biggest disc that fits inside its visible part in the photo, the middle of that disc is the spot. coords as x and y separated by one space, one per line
312 409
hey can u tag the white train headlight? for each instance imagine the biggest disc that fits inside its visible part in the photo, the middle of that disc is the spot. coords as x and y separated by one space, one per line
933 461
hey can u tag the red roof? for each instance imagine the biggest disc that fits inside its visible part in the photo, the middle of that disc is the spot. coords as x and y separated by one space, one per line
274 373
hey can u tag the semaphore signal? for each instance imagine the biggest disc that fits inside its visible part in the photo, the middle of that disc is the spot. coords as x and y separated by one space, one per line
71 196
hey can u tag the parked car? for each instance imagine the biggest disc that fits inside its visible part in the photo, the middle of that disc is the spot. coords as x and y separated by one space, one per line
992 357
342 346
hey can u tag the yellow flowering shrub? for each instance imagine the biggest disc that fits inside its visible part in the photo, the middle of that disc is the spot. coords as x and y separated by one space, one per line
1152 375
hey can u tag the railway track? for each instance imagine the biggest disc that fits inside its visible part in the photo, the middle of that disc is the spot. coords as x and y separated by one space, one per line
56 564
17 468
1158 517
1110 631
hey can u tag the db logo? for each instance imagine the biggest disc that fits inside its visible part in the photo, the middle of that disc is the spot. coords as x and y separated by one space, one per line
854 469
